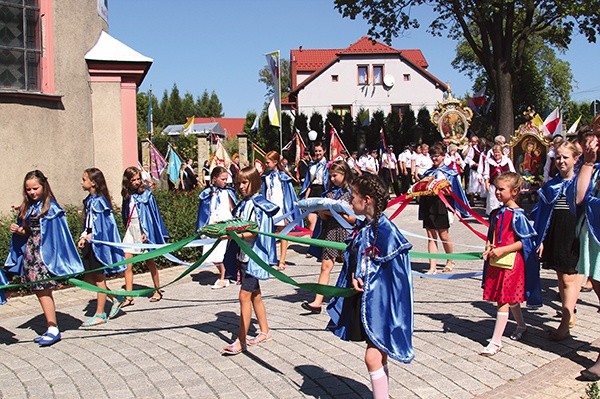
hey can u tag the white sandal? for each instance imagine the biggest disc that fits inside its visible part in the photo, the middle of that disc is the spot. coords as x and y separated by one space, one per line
491 349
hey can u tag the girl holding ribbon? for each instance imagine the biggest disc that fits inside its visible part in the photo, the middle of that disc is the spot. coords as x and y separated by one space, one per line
215 205
143 224
277 187
329 228
377 266
99 224
42 247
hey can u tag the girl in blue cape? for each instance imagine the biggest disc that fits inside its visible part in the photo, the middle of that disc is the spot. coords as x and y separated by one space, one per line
587 196
316 181
48 251
433 211
144 225
510 235
215 206
328 228
253 207
555 225
99 224
377 266
277 187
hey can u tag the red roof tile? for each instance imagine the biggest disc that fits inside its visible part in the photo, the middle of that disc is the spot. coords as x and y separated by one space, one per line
232 126
313 61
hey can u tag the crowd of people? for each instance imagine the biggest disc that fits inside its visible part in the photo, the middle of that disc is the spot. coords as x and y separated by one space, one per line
562 233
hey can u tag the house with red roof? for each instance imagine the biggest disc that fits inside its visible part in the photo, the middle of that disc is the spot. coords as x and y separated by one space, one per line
366 75
223 127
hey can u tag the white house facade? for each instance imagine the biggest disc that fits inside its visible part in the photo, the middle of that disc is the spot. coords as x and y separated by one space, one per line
367 75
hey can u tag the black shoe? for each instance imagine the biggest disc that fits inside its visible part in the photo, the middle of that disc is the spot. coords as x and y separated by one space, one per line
312 309
587 375
586 289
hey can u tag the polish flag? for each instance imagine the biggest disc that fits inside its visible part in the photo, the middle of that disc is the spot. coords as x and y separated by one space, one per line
553 123
478 98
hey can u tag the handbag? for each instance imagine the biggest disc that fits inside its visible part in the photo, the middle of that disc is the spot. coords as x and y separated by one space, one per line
506 261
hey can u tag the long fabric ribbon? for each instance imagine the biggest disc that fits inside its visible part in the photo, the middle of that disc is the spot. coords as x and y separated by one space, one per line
138 258
326 290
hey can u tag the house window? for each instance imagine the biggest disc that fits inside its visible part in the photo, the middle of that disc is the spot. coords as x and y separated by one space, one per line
400 109
20 45
363 74
377 74
406 77
334 78
342 110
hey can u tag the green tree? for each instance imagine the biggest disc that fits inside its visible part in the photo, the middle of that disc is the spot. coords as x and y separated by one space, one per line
264 76
544 81
316 124
174 107
188 108
427 130
498 32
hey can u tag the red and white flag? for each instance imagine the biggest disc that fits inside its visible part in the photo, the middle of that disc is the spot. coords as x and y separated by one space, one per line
478 99
335 145
553 123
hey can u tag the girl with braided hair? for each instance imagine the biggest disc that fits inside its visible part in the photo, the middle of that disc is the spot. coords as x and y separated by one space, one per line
377 266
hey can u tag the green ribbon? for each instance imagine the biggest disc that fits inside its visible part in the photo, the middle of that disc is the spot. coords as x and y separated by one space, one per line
146 291
325 290
176 246
341 246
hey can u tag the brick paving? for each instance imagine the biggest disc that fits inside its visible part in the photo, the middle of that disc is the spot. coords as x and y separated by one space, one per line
172 349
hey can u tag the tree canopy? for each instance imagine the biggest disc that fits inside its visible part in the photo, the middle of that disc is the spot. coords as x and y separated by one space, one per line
498 32
264 76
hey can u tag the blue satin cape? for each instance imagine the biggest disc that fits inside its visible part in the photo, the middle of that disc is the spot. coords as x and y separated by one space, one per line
307 182
263 246
541 214
204 200
387 300
527 235
314 250
591 203
289 194
452 176
150 220
104 228
57 247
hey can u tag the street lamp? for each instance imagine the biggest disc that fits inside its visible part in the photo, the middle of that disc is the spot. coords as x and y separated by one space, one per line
312 136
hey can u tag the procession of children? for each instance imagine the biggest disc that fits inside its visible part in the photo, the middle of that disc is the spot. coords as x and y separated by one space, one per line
560 234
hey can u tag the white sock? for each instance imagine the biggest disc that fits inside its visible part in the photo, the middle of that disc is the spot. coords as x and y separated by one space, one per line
501 320
53 330
379 382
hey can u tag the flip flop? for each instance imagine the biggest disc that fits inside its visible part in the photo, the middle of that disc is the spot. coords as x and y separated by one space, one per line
154 298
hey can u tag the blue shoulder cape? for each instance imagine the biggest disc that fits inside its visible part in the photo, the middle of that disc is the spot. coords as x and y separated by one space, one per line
289 194
57 247
204 204
150 220
527 235
452 176
387 300
541 214
264 246
3 281
591 203
14 260
104 228
307 182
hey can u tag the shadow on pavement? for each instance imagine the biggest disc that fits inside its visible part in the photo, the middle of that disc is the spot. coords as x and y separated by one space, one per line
317 383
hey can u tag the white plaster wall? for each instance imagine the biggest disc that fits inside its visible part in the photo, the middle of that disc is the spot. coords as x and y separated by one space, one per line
322 93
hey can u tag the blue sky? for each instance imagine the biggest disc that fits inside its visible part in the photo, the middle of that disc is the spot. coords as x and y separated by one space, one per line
220 45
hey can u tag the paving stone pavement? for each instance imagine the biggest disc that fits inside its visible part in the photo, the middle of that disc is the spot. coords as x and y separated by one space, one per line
172 349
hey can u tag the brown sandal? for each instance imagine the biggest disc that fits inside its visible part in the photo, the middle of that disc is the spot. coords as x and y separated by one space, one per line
156 298
128 302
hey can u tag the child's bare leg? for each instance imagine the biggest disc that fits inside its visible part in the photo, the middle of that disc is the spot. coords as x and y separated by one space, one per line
376 362
569 295
221 269
245 298
128 274
444 235
48 307
324 276
260 311
432 248
100 281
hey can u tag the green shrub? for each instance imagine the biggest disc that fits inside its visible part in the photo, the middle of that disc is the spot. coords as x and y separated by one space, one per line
178 209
